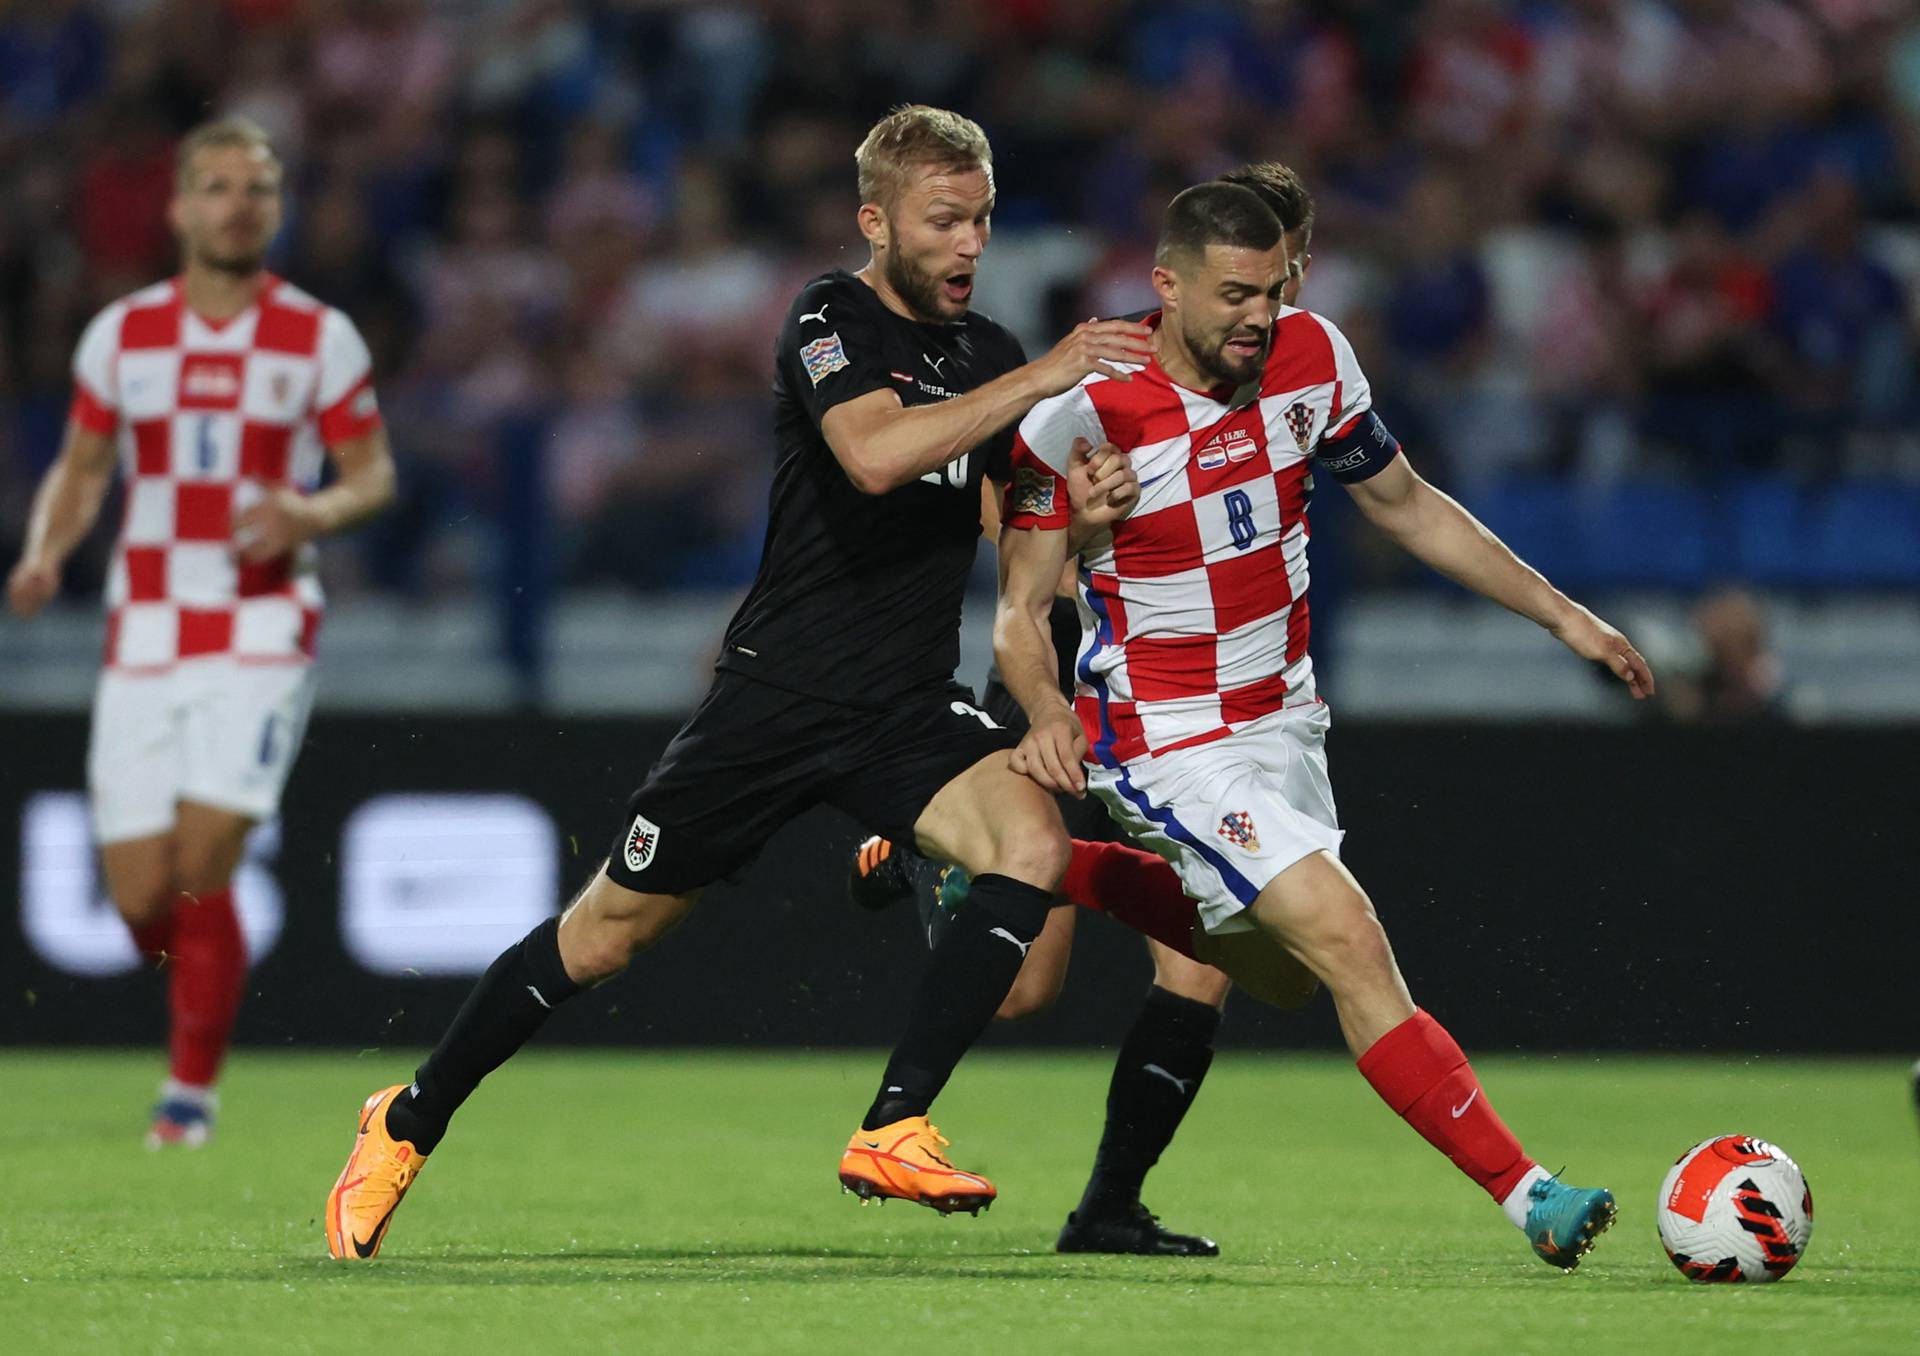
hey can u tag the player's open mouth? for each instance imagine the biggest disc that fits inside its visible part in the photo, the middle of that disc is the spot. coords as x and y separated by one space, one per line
1246 346
958 287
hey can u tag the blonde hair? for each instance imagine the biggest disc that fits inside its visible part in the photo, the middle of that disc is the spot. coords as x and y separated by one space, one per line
912 137
221 132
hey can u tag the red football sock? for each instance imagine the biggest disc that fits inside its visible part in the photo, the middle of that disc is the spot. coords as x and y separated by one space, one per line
1420 1072
208 974
1136 887
155 939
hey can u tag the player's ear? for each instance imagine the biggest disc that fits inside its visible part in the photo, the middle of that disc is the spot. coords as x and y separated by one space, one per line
873 225
1166 283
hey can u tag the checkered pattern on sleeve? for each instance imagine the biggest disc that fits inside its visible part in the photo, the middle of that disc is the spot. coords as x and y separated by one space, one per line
1194 611
209 419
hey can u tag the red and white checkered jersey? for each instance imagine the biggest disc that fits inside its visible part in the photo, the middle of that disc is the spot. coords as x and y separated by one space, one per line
1194 610
210 417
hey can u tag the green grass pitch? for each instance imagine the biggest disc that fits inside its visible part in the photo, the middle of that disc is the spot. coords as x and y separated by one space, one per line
685 1202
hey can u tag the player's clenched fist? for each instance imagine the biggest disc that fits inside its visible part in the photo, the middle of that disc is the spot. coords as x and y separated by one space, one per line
1095 346
272 527
1102 486
1051 752
31 586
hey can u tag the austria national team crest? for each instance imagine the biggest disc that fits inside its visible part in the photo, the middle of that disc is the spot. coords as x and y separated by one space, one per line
1237 828
642 839
1300 421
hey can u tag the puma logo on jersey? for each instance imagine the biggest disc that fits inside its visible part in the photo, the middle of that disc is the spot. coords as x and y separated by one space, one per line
1002 932
934 363
819 315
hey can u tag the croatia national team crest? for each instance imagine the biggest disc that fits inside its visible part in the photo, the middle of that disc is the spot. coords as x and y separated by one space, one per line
1300 421
1237 828
823 357
642 839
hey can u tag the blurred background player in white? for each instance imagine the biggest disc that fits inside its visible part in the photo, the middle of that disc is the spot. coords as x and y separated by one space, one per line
220 393
1195 713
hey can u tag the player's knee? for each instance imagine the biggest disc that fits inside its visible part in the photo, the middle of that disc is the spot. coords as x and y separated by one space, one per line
1038 857
1354 950
200 871
1188 978
609 925
1193 981
145 904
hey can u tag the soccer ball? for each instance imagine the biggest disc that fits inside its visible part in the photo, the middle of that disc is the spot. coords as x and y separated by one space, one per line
1735 1208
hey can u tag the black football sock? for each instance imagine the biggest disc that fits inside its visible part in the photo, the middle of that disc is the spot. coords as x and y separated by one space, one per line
513 999
968 975
1162 1063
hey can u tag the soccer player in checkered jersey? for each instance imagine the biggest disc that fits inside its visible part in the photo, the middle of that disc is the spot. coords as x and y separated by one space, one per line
1195 718
219 394
1165 1055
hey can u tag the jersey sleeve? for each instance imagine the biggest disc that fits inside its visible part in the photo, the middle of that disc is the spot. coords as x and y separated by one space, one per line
96 399
1356 444
344 404
1042 445
831 350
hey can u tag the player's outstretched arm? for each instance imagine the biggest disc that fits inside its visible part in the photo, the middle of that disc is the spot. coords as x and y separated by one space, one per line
64 509
286 518
1031 560
883 444
1434 528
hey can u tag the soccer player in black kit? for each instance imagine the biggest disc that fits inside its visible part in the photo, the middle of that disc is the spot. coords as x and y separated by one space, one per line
835 684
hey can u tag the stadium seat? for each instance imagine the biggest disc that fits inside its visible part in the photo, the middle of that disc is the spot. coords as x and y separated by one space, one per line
1537 519
1865 534
1769 530
1643 534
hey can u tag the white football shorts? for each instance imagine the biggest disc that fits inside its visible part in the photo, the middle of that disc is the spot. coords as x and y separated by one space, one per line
210 730
1233 814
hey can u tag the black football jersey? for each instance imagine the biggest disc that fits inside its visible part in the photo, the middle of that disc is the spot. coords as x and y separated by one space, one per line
858 596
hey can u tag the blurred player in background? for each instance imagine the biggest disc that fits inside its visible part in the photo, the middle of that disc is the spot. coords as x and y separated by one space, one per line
1195 717
1165 1055
835 681
220 393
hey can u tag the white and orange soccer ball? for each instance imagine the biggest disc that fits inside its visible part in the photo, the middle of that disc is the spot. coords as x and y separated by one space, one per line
1735 1208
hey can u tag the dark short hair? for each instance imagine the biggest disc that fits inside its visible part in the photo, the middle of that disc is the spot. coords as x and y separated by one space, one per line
1215 214
1280 189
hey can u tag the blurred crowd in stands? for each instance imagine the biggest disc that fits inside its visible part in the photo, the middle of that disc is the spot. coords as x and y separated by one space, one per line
1578 243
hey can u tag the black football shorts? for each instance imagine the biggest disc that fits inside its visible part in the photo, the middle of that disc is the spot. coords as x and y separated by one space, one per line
754 756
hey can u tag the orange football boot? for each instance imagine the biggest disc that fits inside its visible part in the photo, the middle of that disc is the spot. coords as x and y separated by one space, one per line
377 1175
903 1162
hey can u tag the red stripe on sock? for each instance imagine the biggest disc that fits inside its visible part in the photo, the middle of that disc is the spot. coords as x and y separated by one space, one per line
1419 1071
1136 887
208 976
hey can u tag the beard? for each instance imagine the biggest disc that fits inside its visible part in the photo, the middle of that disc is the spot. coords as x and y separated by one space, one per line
919 289
1227 367
236 261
